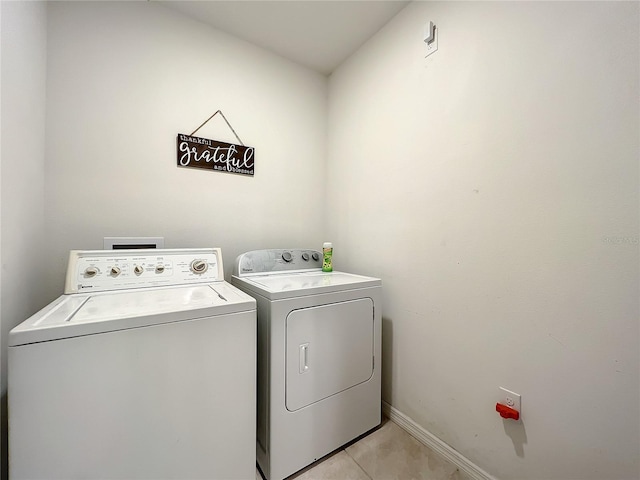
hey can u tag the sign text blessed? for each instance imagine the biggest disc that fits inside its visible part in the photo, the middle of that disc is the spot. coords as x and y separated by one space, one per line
196 152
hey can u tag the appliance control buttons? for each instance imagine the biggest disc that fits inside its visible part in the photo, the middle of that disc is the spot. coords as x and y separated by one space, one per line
315 256
111 270
199 266
286 256
91 271
305 256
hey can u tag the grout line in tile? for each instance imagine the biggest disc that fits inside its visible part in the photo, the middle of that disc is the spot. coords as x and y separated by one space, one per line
362 437
359 466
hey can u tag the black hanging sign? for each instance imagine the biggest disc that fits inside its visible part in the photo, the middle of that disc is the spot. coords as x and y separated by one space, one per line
197 152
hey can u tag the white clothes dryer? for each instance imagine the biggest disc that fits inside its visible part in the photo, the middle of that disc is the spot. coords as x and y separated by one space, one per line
319 351
144 368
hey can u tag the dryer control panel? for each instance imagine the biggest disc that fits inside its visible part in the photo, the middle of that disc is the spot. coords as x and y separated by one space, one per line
277 260
106 270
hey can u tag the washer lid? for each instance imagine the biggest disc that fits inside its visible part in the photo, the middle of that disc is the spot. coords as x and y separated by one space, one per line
278 286
85 314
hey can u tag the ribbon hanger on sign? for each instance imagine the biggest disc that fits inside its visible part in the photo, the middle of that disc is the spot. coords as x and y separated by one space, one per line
225 119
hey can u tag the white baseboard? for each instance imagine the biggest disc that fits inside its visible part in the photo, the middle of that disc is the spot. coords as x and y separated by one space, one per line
434 443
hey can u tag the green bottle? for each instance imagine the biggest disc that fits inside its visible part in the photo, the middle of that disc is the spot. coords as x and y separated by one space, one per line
327 253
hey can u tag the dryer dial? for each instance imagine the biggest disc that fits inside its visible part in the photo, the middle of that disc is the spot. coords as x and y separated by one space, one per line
286 256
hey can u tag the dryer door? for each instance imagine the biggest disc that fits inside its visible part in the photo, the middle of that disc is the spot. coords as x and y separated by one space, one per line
329 349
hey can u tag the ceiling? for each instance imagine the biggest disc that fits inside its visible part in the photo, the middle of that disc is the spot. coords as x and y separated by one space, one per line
317 34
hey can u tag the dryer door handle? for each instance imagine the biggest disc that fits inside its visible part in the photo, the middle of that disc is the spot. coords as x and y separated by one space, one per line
304 357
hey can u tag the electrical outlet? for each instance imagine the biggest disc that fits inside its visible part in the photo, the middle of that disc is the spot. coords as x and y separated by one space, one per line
510 399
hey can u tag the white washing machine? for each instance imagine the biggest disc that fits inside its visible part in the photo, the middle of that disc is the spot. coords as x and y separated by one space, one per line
319 349
144 368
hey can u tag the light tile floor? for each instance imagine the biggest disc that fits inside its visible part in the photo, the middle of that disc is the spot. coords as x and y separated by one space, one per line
387 453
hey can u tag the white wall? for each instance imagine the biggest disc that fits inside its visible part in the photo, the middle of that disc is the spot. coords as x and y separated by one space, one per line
23 65
124 78
494 188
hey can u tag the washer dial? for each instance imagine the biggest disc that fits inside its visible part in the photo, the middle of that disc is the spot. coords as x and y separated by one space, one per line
199 266
91 272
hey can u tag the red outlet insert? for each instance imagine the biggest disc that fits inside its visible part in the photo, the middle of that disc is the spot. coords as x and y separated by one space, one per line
507 412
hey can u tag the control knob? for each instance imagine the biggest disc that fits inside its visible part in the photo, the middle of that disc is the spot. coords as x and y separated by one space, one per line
315 256
159 268
138 269
305 256
199 266
286 256
115 271
91 272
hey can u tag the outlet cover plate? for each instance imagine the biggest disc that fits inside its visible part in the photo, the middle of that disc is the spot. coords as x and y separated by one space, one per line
510 399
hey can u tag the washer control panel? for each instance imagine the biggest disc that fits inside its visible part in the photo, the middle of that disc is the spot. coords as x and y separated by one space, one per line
105 270
277 260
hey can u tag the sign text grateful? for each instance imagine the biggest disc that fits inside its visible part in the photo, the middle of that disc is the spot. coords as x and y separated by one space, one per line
196 152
